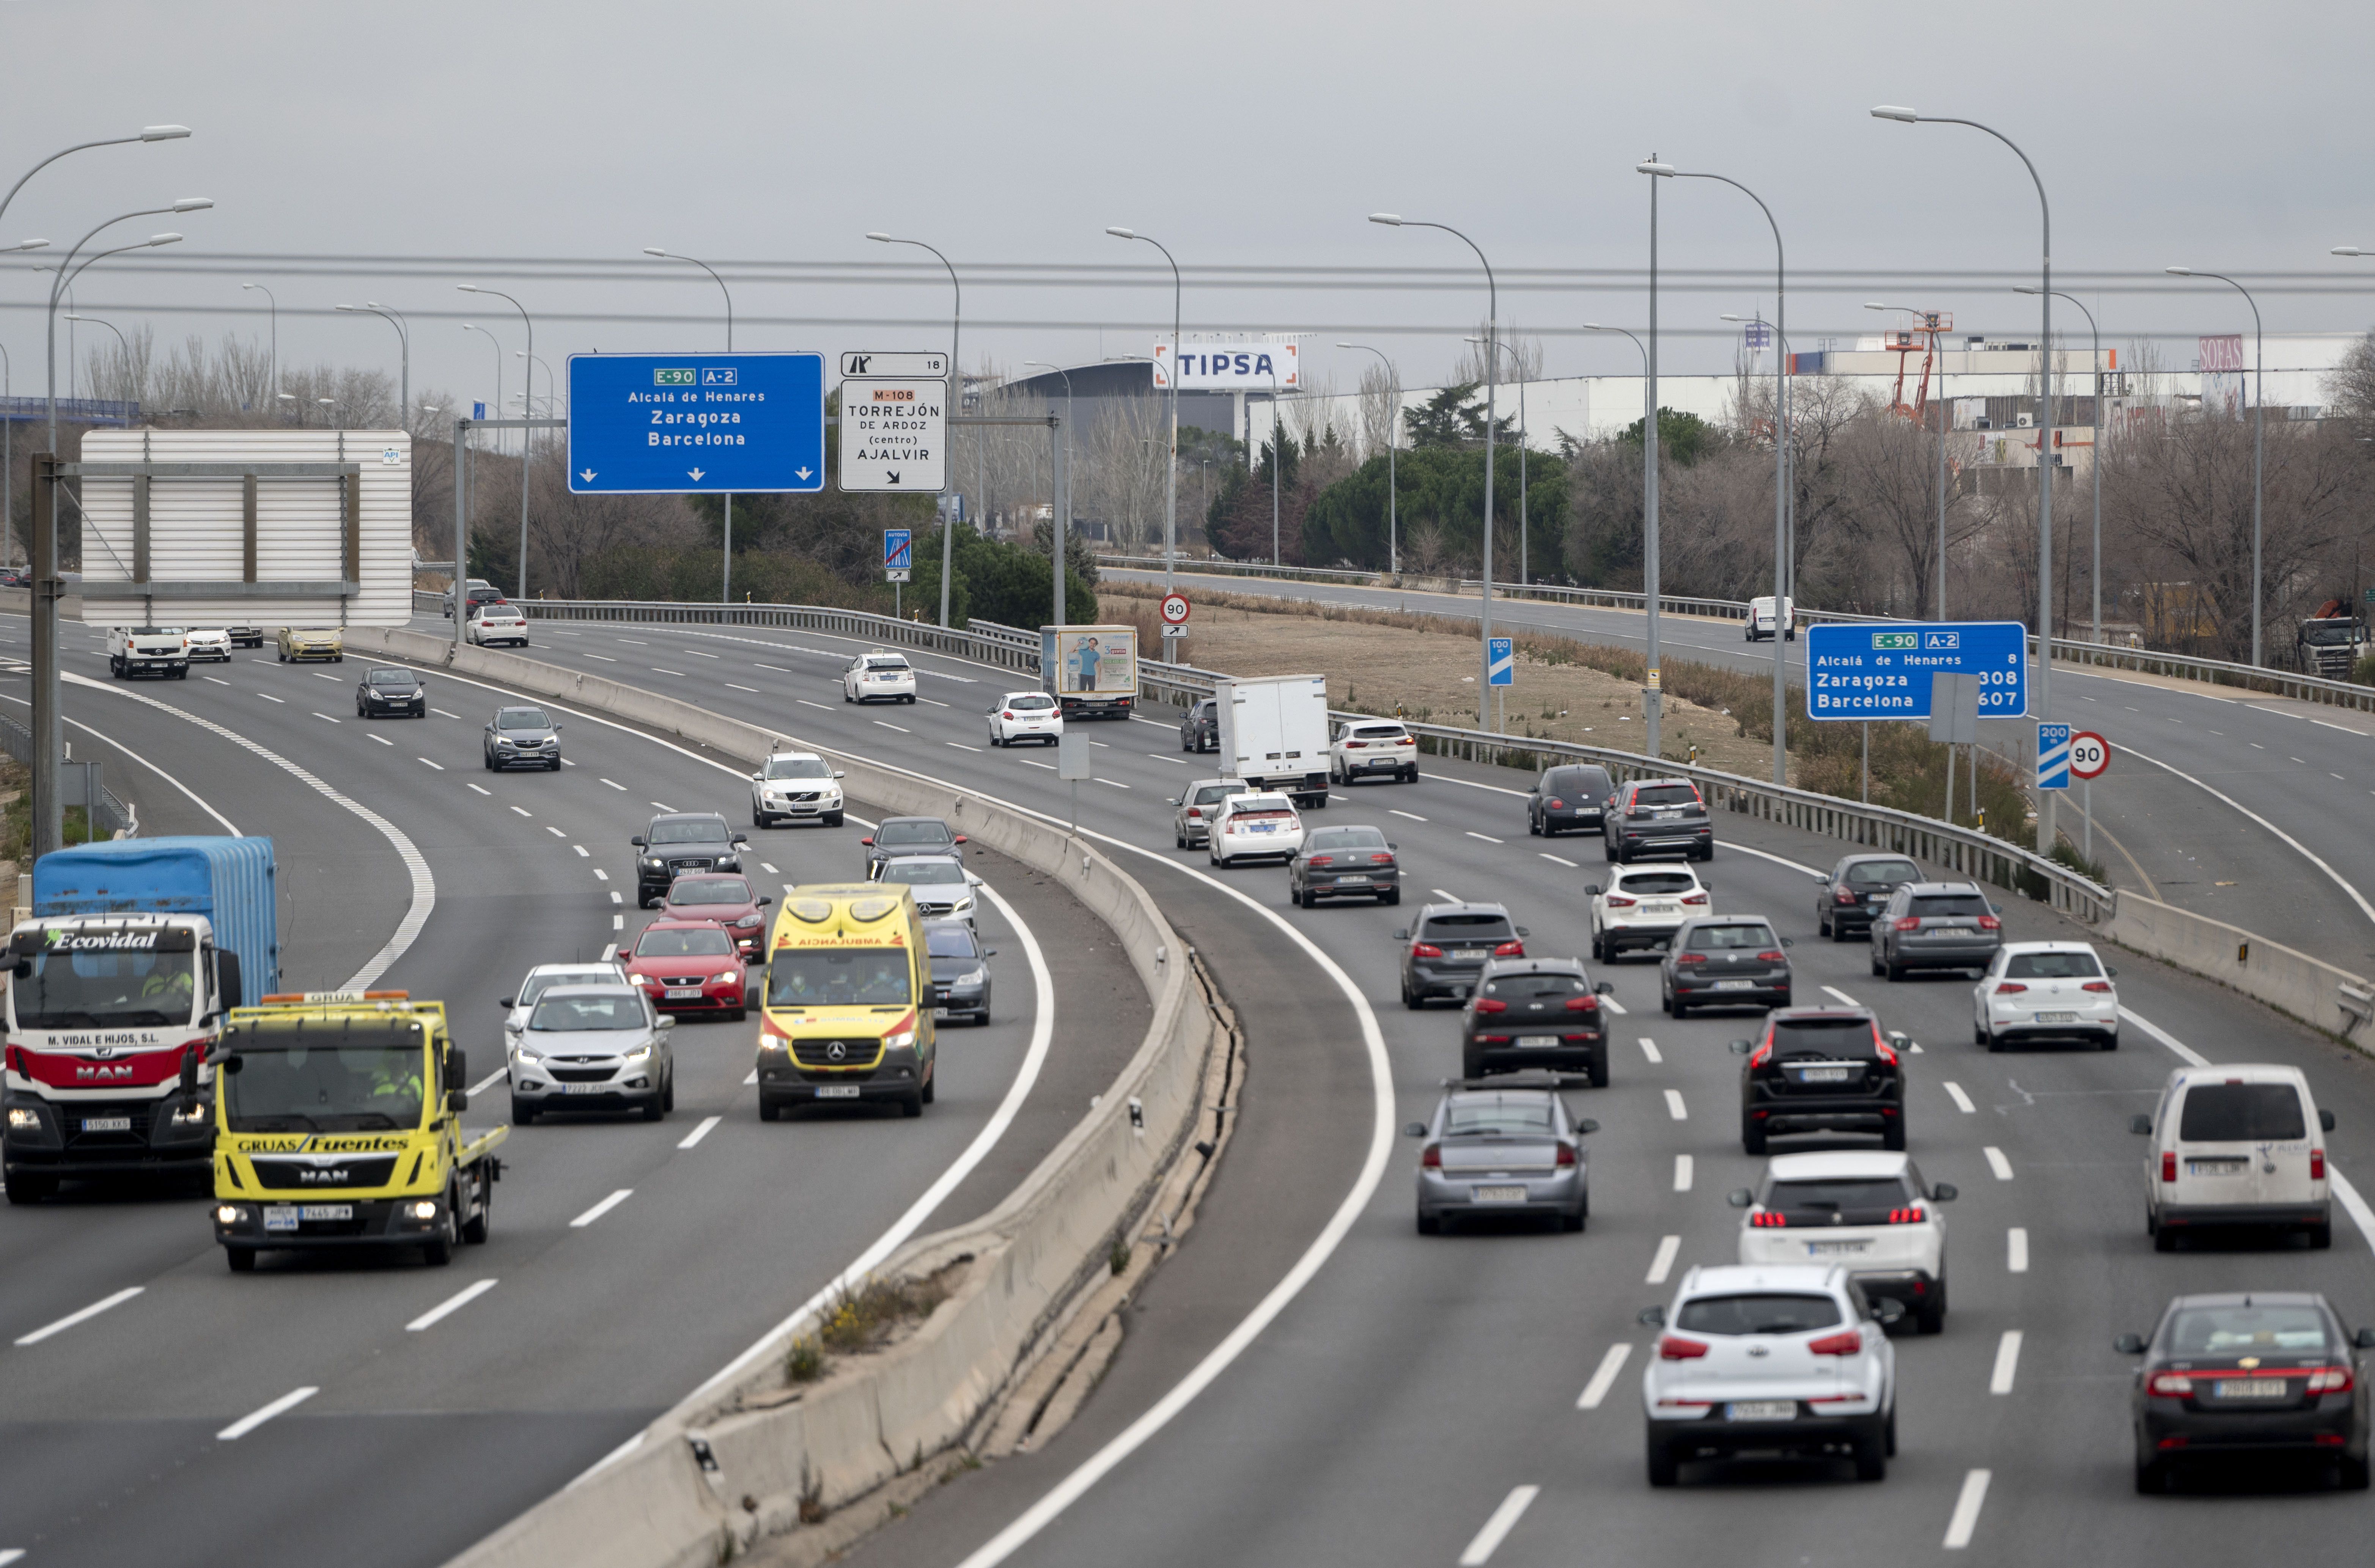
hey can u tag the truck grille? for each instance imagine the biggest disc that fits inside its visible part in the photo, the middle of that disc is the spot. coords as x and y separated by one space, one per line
72 1115
821 1053
339 1176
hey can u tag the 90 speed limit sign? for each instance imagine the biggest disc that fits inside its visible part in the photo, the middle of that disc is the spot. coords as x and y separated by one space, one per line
1175 615
2090 755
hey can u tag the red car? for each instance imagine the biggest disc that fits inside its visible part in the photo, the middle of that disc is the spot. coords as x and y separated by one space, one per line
729 901
689 966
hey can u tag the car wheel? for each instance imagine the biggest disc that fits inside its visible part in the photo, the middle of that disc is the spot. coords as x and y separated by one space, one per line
668 1092
1932 1317
474 1229
1664 1469
438 1251
522 1113
24 1186
832 819
1892 970
2351 1474
1572 1222
1888 1431
1892 1137
1823 926
1751 1137
1428 1225
2320 1237
1993 1040
913 1105
1875 960
1872 1457
1390 898
768 1110
2164 1239
1411 999
553 766
1599 1069
242 1259
1608 849
1179 839
1310 899
932 1086
2111 1041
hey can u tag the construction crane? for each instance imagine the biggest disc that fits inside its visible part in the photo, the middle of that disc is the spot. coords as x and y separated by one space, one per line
1903 341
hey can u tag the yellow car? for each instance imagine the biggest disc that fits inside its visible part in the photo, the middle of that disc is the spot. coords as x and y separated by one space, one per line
298 645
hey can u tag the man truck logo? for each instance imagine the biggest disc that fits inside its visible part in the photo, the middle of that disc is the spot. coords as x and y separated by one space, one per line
324 1177
102 1073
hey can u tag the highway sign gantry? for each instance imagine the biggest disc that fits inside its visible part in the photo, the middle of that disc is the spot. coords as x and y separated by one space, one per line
894 422
1861 671
696 424
2090 755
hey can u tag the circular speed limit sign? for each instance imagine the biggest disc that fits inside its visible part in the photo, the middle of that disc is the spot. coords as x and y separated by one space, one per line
2090 755
1175 609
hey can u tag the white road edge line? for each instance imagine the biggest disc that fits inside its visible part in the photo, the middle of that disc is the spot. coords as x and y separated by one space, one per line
2356 896
450 1305
84 1316
1966 1511
255 1418
2016 1250
599 1209
1661 1265
152 767
699 1132
1505 1518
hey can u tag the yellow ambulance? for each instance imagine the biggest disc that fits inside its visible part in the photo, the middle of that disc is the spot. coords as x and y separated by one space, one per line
847 1013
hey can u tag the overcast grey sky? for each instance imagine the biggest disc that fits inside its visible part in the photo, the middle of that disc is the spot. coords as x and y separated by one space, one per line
1241 135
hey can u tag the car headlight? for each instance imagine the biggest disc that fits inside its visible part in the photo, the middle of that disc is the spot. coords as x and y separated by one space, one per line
502 745
725 976
190 1115
228 1214
421 1208
652 865
21 1117
975 978
965 902
527 1052
772 1044
640 1052
900 1041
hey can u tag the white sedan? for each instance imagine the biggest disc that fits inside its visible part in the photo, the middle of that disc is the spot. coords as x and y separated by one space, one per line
1025 715
490 624
212 645
2045 991
1254 827
1641 908
878 676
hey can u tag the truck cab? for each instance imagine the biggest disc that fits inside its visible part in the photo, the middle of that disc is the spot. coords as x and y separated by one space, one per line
846 1005
2330 642
162 651
339 1125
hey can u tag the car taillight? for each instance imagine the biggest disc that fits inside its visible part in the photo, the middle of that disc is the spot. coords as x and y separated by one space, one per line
1989 923
2170 1384
1766 1220
1674 1347
1844 895
1617 900
1690 958
2317 1165
1005 715
1323 860
2100 987
2010 988
1381 860
1432 1157
1489 1004
1845 1344
1762 1054
1909 923
1695 898
1356 746
1774 957
2331 1380
1586 1003
1565 1155
1510 949
1426 950
2169 1165
1906 1216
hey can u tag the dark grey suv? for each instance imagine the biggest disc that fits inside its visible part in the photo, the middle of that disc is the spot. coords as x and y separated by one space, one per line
1935 926
679 843
523 738
1531 1014
1658 816
1200 730
901 836
1446 950
1851 895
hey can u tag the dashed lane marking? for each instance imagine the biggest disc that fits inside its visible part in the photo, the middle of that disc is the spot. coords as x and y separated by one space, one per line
1661 1265
2016 1250
1998 1164
451 1304
1604 1377
1505 1518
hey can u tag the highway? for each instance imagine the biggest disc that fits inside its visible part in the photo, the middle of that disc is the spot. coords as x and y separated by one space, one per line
490 1383
1395 1404
2307 771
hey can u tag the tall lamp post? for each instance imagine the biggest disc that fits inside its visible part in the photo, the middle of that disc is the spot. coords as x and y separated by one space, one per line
497 345
272 308
403 344
2094 461
1945 416
1524 577
121 344
2045 824
1491 374
527 442
725 570
956 374
2258 429
1650 700
1063 487
8 429
1393 440
1171 466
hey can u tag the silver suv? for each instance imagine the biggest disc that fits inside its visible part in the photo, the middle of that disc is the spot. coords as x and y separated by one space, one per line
1935 926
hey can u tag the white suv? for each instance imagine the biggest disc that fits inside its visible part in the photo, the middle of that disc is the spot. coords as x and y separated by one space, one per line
1869 1213
1249 826
147 649
1365 748
793 786
1641 909
2236 1146
1790 1362
1025 715
878 676
2045 991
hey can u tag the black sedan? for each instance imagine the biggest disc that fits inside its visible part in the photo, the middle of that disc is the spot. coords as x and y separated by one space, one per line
898 836
2272 1373
1536 1014
1848 900
1724 961
960 970
1344 862
1201 729
1568 800
395 692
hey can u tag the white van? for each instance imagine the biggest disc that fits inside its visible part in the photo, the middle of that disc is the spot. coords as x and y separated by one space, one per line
1761 623
2236 1146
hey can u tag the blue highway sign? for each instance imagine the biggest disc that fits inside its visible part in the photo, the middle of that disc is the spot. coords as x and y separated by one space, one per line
1864 671
1501 659
693 424
2052 756
898 549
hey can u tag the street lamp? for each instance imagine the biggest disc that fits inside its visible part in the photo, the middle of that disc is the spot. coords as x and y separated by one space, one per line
272 303
1780 459
332 404
527 432
1491 374
2095 462
404 340
956 380
1523 441
1171 466
1650 702
2259 428
120 341
497 343
2048 798
1945 414
725 568
1393 435
1063 485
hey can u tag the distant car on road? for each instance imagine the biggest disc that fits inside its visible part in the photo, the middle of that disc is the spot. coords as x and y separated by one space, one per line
1366 748
1344 862
1191 824
1445 949
679 842
211 643
2263 1374
1658 816
496 625
942 886
2237 1145
728 899
688 966
300 643
1935 926
1724 960
908 835
960 970
592 1048
1535 1014
544 976
390 690
478 591
1871 1214
1025 715
1762 623
1569 798
521 737
1505 1147
1253 826
1848 898
1200 729
796 786
2045 991
878 676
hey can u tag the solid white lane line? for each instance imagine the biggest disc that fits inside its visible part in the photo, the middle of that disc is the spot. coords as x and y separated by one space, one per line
1109 782
2007 1362
1650 1049
450 1305
1966 1511
1674 1105
2185 1053
1504 1519
1604 1377
2361 1215
84 1316
1486 837
614 785
492 1080
750 1078
1685 1167
2016 1250
1396 811
255 1418
1669 1247
1842 996
699 1132
1962 1101
168 778
601 1209
1560 859
1998 1164
2336 877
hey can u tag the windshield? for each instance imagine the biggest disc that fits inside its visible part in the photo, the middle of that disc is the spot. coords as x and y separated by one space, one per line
950 941
709 889
1346 838
892 662
612 1009
690 829
2236 1330
391 678
1210 793
1880 873
798 768
1830 1194
2241 1113
538 984
923 871
1585 782
707 941
521 718
2326 633
1772 1313
328 1088
1666 795
1720 939
1469 929
1660 883
1497 1117
1948 906
1031 700
2052 966
915 831
1536 987
1827 1039
105 990
838 977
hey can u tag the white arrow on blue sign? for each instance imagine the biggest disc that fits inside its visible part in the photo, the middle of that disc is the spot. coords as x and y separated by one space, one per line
683 424
2053 756
1501 661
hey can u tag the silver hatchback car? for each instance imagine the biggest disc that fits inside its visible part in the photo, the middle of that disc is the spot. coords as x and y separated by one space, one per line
1935 926
1191 826
592 1048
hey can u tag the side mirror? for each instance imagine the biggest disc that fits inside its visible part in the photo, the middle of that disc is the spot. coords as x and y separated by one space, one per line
1587 1126
1944 1192
1605 988
668 1020
1740 1198
1897 1037
1523 932
1995 909
1742 1047
1416 1129
1402 934
757 778
2110 972
840 773
742 838
2363 1340
1397 848
457 1065
2325 1121
960 838
508 1003
764 901
1888 1312
989 952
2141 1125
1787 943
1593 891
974 881
1170 801
2133 1344
1650 1318
867 841
457 1101
638 842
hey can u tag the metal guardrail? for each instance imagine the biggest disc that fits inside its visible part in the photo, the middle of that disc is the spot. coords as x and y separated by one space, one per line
116 818
1017 636
2216 672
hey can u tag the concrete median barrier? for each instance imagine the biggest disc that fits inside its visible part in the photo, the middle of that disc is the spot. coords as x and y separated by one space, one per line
2315 992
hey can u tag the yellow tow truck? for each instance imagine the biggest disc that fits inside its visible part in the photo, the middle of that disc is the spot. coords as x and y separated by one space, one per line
338 1123
847 1001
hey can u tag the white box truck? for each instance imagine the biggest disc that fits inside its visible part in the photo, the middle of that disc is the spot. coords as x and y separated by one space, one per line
1274 734
1092 671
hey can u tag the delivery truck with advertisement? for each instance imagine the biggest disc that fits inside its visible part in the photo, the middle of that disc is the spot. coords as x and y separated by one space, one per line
1274 734
1092 671
117 990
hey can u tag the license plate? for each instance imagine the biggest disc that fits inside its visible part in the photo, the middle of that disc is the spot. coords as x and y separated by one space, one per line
1350 877
107 1124
836 1091
1499 1194
1264 828
1825 1075
1659 908
325 1211
1836 1249
679 993
1537 1042
585 1089
2215 1167
939 1012
1469 955
2249 1388
1950 931
2057 1018
1761 1411
1735 985
279 1217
